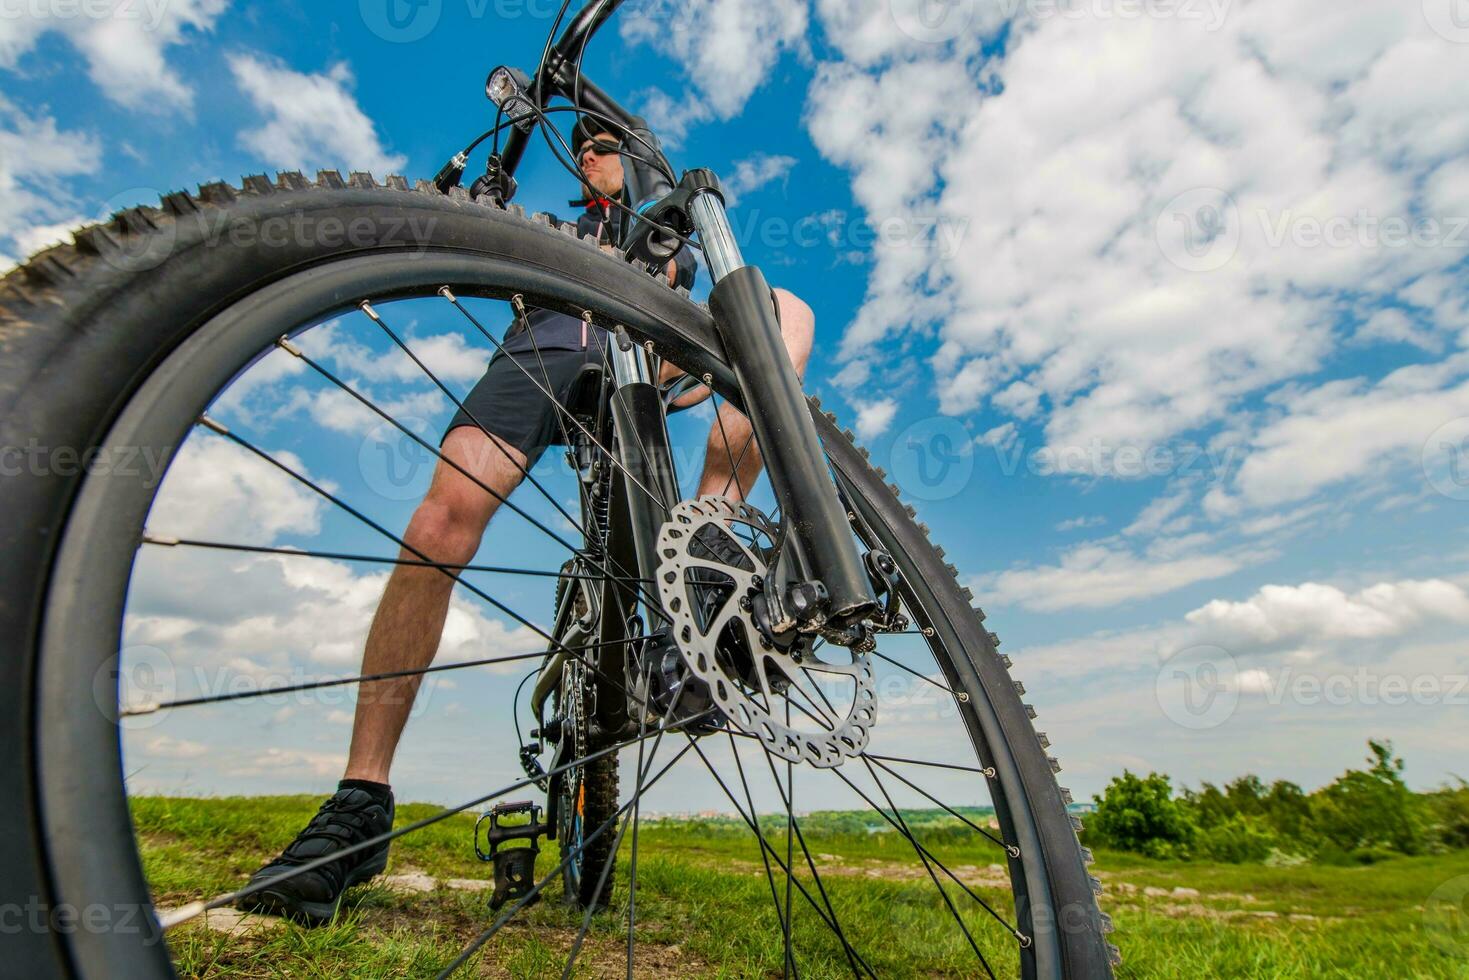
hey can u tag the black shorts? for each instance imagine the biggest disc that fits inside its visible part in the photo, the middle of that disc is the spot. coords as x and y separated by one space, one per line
510 405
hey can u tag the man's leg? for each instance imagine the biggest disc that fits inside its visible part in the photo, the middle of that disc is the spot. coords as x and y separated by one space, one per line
405 633
731 439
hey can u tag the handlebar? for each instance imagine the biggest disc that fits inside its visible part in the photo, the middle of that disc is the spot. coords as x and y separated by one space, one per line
554 76
558 76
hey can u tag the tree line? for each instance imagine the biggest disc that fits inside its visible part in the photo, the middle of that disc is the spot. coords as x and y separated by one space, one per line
1362 816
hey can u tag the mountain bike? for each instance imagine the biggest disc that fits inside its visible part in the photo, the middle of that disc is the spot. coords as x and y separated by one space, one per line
706 628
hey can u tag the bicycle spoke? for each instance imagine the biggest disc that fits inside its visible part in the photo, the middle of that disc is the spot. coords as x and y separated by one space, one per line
923 856
734 472
632 874
561 409
167 542
760 838
921 676
372 314
811 865
438 453
214 426
914 786
749 441
789 798
586 924
933 765
906 835
152 708
753 823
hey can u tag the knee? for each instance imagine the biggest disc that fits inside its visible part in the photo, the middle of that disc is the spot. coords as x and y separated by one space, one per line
445 529
797 325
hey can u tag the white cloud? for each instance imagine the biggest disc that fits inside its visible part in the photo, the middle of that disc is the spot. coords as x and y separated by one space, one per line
167 747
217 490
1350 429
1096 575
312 121
722 75
272 761
873 418
123 42
753 173
34 156
671 118
1395 326
1077 523
1310 623
450 356
854 374
1314 613
1001 437
1071 275
872 31
1161 513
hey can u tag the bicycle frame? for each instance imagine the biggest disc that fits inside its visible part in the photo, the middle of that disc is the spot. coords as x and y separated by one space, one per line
821 565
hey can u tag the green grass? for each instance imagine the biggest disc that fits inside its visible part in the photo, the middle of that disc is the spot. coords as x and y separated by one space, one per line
704 906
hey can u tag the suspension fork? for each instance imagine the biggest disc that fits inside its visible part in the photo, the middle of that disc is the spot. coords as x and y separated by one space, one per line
826 564
645 490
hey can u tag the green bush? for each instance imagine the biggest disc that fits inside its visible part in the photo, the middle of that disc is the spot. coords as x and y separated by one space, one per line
1370 811
1363 816
1238 840
1448 815
1140 814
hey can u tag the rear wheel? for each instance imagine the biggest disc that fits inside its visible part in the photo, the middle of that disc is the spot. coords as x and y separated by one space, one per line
586 794
117 345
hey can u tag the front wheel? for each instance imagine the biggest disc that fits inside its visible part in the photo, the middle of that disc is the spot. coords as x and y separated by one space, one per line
121 345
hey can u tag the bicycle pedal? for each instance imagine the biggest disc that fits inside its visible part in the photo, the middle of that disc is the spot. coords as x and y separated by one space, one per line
515 867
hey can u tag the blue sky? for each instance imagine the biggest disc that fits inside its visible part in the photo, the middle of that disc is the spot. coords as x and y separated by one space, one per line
1158 313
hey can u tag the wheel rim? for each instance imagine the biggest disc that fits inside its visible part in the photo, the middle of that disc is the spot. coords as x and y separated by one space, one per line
86 603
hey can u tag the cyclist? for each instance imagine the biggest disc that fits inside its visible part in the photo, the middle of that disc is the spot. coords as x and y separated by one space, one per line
449 523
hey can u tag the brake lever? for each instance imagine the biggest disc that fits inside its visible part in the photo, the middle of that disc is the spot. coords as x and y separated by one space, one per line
648 244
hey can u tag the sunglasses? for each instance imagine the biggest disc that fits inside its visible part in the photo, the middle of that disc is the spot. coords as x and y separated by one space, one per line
601 148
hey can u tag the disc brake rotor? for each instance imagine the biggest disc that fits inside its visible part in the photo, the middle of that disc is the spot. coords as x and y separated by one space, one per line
710 564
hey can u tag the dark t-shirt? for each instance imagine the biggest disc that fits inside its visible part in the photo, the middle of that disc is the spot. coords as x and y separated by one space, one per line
557 331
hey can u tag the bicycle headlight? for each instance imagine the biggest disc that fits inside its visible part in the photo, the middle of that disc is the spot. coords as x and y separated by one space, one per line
506 87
